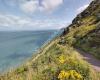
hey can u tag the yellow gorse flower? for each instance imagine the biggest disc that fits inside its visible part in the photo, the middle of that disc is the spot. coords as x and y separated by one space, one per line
63 75
71 74
62 59
75 74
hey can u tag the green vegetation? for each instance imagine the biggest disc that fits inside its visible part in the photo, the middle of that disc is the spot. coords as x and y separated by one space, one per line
59 60
86 37
84 32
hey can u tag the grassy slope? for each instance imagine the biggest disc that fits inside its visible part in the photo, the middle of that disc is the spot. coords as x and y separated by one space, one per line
59 55
48 65
84 32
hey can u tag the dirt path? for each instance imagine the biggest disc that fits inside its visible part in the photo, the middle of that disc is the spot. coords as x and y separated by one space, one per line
91 59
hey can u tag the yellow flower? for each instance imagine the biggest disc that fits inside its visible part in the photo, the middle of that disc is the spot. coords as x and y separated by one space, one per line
63 75
71 74
62 59
78 76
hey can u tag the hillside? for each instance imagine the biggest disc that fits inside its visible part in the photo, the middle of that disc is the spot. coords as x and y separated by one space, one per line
59 59
84 32
54 62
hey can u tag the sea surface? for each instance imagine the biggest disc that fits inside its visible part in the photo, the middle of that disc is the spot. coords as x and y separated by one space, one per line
17 46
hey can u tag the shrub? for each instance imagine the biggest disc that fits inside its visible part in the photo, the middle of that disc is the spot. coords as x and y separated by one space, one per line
21 70
69 75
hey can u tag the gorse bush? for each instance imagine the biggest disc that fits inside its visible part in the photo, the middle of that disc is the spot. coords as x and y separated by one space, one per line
62 59
72 63
69 75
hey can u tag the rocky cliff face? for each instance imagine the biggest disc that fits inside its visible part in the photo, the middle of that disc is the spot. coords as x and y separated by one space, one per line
92 10
84 32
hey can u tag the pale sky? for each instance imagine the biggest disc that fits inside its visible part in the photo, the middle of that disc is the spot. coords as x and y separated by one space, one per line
39 14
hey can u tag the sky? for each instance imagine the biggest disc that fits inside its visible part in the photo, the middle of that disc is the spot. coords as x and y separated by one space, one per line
39 14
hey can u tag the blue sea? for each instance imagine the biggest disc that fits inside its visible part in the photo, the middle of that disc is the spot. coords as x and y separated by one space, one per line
17 46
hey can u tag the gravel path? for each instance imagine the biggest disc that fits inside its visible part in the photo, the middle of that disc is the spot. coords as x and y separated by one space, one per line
91 59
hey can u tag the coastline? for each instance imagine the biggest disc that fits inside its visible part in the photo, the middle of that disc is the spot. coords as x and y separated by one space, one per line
41 49
35 53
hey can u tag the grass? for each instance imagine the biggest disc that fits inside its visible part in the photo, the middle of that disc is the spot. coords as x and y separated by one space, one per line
56 58
86 36
90 42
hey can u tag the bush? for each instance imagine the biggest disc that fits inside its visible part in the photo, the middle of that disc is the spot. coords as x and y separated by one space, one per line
21 70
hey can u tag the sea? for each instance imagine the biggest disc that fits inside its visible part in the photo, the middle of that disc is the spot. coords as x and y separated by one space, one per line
18 46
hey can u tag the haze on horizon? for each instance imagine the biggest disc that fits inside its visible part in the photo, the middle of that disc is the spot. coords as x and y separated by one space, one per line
39 14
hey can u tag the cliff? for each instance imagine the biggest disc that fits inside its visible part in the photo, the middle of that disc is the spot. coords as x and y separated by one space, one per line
84 32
